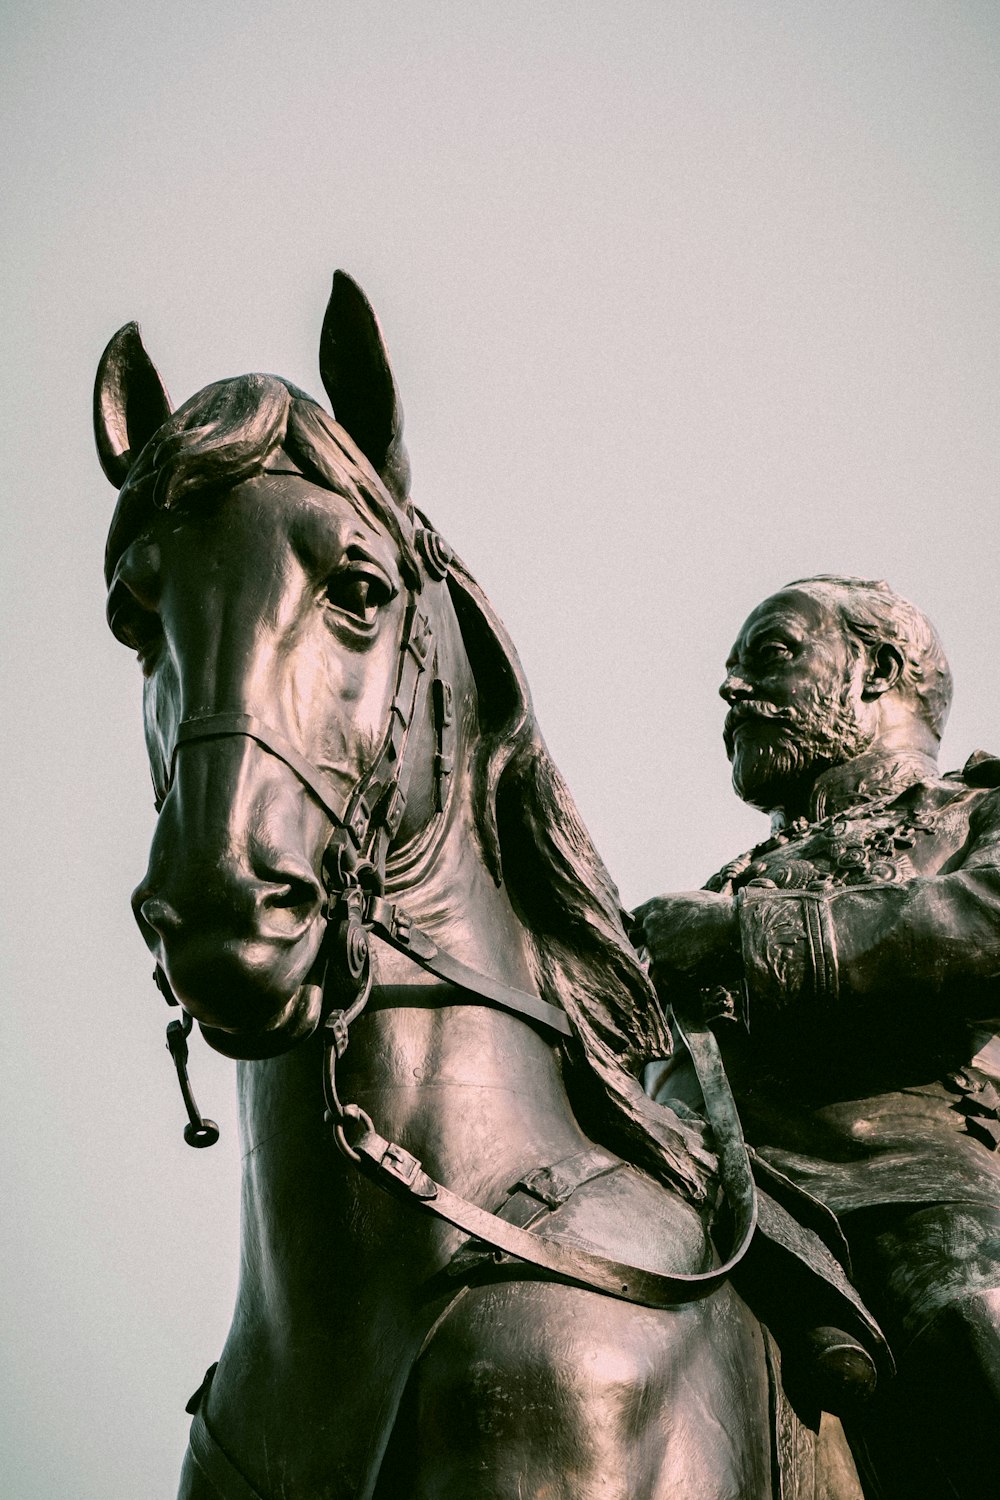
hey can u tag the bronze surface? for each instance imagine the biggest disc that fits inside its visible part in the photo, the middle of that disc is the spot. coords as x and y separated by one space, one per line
852 961
268 568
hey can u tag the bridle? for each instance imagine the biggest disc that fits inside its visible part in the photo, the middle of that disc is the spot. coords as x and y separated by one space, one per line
364 823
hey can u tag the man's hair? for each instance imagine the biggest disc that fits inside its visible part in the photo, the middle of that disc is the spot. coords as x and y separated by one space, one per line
875 615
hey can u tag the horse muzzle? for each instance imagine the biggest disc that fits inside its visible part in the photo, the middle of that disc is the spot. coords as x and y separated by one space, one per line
240 956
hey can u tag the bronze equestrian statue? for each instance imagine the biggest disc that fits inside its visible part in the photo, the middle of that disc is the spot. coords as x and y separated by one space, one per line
477 1259
852 964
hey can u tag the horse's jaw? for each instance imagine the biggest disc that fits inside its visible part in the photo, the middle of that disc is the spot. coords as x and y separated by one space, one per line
298 1020
253 997
237 954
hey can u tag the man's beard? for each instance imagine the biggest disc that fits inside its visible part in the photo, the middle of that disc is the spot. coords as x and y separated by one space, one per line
785 749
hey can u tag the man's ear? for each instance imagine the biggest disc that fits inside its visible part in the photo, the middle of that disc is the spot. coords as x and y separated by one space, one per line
885 668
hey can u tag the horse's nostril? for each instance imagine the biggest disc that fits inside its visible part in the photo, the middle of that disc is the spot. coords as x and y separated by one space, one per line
157 914
295 894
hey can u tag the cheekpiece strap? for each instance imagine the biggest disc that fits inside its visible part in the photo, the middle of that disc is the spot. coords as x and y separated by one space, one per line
379 799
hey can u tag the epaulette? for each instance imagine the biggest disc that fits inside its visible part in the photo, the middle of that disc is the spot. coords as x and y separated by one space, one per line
981 769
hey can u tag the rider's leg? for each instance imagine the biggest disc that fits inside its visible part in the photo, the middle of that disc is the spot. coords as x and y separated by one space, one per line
932 1274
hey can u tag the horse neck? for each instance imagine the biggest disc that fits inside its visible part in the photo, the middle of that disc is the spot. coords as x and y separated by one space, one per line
417 1066
474 1091
441 880
451 896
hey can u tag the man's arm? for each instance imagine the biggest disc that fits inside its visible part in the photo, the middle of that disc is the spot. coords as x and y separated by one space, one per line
934 939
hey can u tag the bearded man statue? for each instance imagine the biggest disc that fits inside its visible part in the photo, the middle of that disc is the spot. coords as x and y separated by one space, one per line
857 954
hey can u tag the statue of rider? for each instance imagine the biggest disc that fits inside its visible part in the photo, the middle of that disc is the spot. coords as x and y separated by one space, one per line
858 951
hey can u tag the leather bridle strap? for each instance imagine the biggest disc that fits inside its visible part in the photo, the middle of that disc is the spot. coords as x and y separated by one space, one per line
735 1172
393 926
218 726
399 1171
376 802
383 787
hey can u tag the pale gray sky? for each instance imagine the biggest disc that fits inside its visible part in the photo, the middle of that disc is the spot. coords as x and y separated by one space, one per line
685 299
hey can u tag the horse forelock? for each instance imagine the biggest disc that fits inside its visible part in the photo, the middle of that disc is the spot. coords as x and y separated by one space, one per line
232 431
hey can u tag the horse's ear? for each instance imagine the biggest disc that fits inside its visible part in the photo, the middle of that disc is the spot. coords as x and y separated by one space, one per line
354 364
130 403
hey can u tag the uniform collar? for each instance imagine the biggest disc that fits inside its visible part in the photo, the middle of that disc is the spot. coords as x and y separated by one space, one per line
876 774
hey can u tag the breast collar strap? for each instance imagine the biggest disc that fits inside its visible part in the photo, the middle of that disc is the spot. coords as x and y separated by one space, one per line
402 1174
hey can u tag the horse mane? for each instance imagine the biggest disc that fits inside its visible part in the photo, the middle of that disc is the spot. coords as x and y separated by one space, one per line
531 834
533 840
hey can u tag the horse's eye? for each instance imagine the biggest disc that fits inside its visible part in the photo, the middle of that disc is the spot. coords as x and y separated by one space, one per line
358 593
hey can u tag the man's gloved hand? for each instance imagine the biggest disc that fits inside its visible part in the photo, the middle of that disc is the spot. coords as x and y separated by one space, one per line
692 938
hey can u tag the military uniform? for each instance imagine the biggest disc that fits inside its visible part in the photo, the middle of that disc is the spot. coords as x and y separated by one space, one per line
864 1051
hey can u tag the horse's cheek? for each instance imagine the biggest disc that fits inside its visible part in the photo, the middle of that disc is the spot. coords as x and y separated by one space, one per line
361 682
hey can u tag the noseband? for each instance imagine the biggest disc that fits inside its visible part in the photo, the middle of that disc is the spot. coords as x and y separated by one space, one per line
364 825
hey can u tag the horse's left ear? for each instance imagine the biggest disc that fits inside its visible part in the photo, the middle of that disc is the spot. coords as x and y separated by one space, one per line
354 365
130 403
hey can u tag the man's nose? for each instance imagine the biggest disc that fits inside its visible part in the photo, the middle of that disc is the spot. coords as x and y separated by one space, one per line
735 688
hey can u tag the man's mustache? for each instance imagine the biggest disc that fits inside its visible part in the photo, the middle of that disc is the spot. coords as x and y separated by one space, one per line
749 709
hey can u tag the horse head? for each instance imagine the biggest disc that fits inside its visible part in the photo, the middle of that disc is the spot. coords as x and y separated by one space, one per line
270 573
267 566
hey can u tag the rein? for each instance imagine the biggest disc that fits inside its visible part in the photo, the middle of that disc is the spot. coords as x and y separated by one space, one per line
365 821
402 1174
